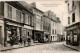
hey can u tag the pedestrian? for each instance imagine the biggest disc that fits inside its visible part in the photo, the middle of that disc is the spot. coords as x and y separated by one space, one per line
21 41
29 41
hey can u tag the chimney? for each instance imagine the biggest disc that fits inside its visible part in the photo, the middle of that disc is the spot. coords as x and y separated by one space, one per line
33 4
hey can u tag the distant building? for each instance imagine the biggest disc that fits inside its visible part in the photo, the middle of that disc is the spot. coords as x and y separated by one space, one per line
46 27
53 21
56 27
60 30
38 24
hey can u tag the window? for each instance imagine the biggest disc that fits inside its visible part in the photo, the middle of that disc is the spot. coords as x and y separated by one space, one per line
22 18
26 19
51 37
0 35
55 31
68 6
52 31
68 20
30 20
53 23
42 18
18 16
72 4
9 12
73 17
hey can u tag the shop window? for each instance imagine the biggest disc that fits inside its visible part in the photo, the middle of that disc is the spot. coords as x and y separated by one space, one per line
18 32
53 37
12 37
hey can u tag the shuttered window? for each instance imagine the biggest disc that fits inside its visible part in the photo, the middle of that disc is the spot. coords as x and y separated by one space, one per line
18 16
26 19
9 11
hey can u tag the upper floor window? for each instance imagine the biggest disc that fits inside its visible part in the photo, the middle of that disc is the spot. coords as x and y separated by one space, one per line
53 23
9 11
18 16
55 31
68 6
68 20
23 17
73 17
52 31
30 20
72 4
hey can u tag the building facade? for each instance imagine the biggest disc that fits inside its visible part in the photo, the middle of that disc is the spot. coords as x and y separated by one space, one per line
53 22
38 24
73 28
56 26
46 28
60 36
13 23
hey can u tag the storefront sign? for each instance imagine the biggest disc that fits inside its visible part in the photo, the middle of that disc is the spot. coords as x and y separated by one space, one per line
9 23
74 27
28 27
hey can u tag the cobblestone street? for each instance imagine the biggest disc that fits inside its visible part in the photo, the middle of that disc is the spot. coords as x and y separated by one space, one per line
43 48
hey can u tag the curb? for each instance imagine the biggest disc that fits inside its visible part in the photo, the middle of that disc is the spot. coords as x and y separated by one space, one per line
70 47
19 47
22 47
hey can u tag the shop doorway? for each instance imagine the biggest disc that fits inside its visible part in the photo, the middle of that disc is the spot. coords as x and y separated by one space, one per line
0 35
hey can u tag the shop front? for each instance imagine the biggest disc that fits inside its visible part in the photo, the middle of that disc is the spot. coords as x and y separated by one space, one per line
46 37
26 34
38 36
73 33
12 34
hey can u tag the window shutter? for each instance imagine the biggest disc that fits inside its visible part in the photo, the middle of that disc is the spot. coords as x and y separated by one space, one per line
22 18
26 19
13 14
5 10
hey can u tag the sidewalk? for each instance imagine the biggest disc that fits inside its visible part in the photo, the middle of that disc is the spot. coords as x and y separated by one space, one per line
72 47
18 46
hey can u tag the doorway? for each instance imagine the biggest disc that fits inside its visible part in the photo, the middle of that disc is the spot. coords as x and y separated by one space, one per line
0 35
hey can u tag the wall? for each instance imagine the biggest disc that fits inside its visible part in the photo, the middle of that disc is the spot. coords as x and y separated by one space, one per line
2 30
37 20
74 10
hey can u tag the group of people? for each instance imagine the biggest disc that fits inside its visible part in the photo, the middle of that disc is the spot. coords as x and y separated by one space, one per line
24 40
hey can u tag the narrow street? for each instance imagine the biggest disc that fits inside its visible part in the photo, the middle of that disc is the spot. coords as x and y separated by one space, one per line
43 48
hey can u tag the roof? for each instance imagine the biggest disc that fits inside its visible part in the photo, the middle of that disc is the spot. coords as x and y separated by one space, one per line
26 5
38 9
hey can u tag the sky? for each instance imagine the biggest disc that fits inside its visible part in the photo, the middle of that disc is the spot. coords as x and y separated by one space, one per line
58 7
